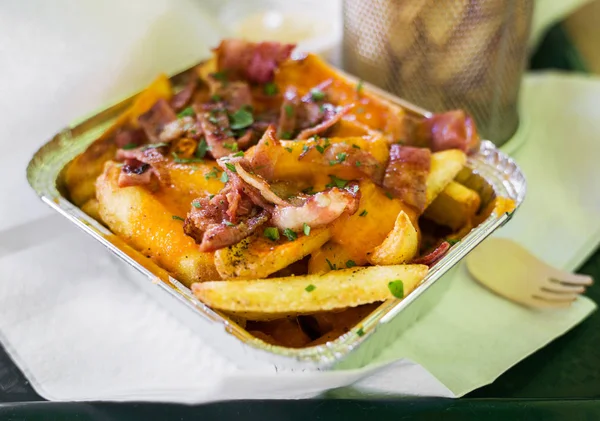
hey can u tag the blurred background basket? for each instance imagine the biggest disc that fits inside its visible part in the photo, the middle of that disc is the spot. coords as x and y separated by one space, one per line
443 54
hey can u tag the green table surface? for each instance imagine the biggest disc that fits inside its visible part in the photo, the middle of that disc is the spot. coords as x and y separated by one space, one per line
561 381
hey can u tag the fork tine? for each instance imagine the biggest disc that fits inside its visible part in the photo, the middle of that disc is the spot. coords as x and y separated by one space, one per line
566 278
560 288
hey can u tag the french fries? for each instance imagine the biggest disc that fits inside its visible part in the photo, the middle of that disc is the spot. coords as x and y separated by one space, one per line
147 225
399 246
454 207
264 299
444 167
258 257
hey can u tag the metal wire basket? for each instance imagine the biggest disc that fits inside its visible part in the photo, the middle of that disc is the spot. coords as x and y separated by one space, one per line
443 54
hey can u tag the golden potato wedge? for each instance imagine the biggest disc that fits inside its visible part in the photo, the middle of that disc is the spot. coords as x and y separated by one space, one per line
400 245
258 257
265 299
444 167
333 256
454 206
147 225
81 174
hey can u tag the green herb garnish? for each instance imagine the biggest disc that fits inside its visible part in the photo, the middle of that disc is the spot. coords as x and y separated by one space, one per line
350 263
339 158
271 233
229 224
310 288
306 229
452 241
212 174
286 135
290 150
230 167
316 94
202 149
177 218
289 110
196 205
222 76
363 213
238 154
270 89
332 266
215 98
233 147
355 146
357 163
360 332
337 182
388 195
291 235
155 145
224 177
130 146
186 112
397 288
359 86
180 160
241 119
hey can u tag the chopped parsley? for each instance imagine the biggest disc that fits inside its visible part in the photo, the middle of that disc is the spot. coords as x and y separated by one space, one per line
332 266
229 224
215 98
339 158
241 119
291 235
238 154
290 150
177 218
196 205
212 174
360 332
309 190
222 76
317 95
310 288
202 149
452 241
210 196
271 233
233 147
130 146
305 148
186 112
337 182
285 135
359 86
306 229
350 263
177 159
270 89
388 195
397 288
363 213
400 142
355 146
357 163
230 167
224 177
289 110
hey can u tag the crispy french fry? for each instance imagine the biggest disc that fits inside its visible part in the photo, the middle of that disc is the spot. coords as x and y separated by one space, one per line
146 224
454 206
258 257
265 299
444 167
400 245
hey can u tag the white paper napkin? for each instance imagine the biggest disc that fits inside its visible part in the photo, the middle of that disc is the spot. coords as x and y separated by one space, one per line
79 329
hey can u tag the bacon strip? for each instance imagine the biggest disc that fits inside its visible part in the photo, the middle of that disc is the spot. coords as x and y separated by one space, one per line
255 62
151 157
433 257
329 121
155 119
449 130
215 126
134 173
406 174
127 137
182 98
288 112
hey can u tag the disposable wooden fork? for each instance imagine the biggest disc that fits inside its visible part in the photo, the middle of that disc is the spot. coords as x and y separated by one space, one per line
513 272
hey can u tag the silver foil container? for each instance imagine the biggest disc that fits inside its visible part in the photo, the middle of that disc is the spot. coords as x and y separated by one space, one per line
489 172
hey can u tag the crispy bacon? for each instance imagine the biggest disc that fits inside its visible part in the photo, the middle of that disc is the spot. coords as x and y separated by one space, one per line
149 156
183 98
134 173
317 210
255 62
329 120
434 256
185 126
406 174
155 119
234 94
288 113
449 130
265 154
215 126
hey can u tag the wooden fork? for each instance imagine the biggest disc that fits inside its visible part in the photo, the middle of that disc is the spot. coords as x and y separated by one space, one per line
513 272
